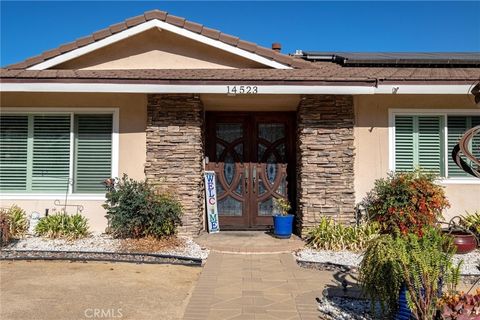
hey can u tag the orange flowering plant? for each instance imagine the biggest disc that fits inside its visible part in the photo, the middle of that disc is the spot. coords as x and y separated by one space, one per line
406 202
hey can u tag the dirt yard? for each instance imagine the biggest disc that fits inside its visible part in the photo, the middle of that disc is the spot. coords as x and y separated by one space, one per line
94 290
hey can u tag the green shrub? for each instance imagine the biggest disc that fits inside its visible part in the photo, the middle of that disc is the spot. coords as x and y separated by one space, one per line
418 262
472 222
406 202
63 225
134 210
328 235
18 221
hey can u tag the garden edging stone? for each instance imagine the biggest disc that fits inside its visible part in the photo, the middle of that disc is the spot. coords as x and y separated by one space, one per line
152 258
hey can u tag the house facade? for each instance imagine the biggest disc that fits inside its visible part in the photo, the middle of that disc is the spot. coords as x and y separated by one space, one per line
161 98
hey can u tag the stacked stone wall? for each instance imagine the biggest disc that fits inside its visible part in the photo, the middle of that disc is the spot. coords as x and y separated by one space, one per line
325 159
175 153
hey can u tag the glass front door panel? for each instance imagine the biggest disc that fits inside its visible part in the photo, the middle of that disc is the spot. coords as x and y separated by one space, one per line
229 132
228 206
250 154
228 157
272 165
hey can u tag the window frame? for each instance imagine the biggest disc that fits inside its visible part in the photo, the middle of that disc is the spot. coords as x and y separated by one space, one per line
68 111
392 113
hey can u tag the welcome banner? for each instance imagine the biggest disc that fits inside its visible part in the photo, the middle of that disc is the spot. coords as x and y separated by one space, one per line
211 198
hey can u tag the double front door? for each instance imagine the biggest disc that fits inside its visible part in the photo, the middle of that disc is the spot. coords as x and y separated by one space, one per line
252 156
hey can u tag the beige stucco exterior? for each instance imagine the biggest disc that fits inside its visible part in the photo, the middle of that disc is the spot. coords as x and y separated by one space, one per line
132 140
372 143
371 136
155 49
132 137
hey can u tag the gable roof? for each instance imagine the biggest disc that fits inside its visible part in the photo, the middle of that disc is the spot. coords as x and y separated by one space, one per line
161 19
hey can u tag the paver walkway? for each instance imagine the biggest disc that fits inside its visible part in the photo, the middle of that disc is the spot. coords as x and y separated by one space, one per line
248 242
256 286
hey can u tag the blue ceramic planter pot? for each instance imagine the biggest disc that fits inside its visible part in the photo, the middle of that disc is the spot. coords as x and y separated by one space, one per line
404 312
283 225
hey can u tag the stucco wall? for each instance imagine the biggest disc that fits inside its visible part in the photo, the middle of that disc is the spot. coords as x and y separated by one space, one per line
258 103
371 136
132 139
154 49
372 143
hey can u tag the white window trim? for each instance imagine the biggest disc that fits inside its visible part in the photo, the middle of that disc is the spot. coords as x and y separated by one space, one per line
428 112
72 111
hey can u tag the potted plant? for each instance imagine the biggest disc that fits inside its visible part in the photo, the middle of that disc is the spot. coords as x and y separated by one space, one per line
405 274
464 239
471 221
282 221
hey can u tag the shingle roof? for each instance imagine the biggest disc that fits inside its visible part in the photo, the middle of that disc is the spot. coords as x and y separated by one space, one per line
327 72
174 20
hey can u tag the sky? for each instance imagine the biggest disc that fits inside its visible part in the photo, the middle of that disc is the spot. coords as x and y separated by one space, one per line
29 28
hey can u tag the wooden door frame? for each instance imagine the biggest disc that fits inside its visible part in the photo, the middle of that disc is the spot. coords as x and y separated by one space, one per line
250 121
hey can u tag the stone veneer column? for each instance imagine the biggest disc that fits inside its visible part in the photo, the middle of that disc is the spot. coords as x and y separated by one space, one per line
325 159
175 153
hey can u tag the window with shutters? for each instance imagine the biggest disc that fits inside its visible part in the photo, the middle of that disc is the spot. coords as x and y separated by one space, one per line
93 152
44 153
426 141
418 143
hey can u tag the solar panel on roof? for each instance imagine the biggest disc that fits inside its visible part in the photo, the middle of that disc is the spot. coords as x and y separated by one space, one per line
397 58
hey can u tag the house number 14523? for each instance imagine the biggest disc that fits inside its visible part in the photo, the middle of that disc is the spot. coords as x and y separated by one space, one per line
242 90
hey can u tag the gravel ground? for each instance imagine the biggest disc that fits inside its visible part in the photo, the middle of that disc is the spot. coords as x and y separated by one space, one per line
339 308
351 259
100 243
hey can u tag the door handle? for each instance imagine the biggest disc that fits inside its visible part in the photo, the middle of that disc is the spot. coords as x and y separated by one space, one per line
246 179
254 177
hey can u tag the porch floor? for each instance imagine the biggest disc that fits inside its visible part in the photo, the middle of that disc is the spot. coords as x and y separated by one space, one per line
248 242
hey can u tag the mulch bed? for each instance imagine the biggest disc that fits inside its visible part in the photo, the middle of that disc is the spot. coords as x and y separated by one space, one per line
149 244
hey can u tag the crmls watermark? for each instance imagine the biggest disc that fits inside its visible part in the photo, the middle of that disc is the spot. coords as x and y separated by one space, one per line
102 313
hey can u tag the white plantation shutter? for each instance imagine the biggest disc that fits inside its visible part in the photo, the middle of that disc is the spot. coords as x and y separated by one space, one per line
35 155
430 143
51 153
457 125
13 152
418 143
404 143
93 152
